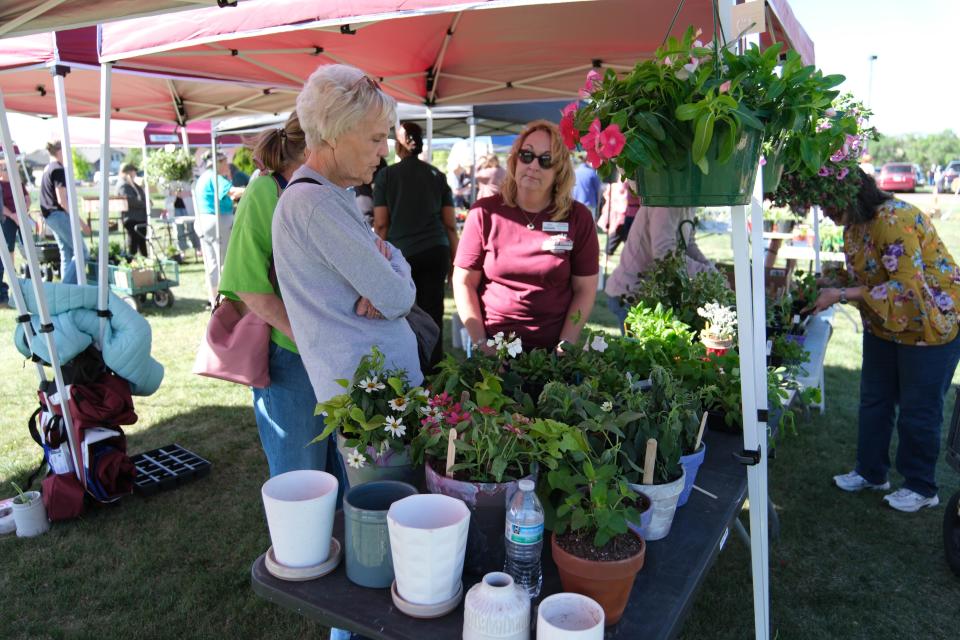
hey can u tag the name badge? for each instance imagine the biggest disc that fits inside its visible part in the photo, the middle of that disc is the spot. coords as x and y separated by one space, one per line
557 244
556 227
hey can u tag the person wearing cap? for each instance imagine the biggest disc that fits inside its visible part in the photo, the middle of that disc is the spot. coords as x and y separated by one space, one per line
135 217
413 210
213 185
53 208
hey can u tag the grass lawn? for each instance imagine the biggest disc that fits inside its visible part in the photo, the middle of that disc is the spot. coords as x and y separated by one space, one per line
177 564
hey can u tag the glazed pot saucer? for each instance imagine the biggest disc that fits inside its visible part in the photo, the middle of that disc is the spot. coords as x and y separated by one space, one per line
425 611
302 574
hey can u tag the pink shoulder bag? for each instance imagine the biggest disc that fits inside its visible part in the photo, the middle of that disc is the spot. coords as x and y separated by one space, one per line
235 347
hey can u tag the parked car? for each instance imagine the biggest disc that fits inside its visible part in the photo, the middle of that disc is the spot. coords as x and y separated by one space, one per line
897 176
951 173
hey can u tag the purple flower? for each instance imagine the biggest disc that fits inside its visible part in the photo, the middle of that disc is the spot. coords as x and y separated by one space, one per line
825 171
879 292
852 141
889 263
944 301
894 249
838 156
842 173
763 160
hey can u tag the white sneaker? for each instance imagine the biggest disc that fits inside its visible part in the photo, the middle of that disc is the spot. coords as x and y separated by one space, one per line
909 501
853 481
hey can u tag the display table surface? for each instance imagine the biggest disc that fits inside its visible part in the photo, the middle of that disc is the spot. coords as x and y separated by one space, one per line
803 252
662 594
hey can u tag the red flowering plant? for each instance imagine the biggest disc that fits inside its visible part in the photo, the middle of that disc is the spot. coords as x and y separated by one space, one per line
823 179
494 442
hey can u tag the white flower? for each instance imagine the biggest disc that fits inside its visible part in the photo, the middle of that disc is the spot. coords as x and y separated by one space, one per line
371 384
607 406
395 427
398 404
356 459
598 344
423 393
514 348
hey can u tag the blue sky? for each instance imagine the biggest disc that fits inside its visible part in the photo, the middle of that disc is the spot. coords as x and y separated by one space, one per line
916 77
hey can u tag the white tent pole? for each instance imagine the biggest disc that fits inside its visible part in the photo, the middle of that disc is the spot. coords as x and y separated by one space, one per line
58 74
428 150
146 185
816 240
185 138
46 325
216 189
472 121
106 72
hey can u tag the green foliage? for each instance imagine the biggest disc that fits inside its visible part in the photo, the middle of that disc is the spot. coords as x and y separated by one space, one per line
164 166
923 149
135 157
82 169
21 497
243 160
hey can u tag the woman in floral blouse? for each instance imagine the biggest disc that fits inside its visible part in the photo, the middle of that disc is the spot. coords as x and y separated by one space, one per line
907 287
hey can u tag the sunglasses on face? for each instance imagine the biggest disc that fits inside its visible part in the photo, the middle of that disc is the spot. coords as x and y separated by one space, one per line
545 159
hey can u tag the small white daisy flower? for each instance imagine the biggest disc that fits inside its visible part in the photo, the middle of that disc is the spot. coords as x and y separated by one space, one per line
607 406
395 427
356 459
598 344
398 404
423 393
371 384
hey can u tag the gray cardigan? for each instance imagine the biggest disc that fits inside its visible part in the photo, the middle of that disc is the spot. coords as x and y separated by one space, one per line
326 259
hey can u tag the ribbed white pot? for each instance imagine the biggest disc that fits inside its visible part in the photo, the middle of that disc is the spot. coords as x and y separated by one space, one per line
300 506
31 518
569 616
496 609
664 499
428 538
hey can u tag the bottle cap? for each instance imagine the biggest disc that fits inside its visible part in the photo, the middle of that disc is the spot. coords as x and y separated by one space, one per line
526 485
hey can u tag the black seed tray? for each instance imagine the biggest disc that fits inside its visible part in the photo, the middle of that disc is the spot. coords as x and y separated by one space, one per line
167 468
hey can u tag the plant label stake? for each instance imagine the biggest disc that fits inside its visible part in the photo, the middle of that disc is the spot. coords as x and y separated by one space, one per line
649 460
451 451
703 423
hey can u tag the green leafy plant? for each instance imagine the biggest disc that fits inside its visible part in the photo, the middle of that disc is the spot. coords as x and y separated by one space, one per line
164 167
243 160
378 411
21 497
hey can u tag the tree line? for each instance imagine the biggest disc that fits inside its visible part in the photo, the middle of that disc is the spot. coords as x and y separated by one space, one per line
925 149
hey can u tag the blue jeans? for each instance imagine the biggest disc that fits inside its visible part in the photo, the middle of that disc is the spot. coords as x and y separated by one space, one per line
915 380
618 310
285 420
59 223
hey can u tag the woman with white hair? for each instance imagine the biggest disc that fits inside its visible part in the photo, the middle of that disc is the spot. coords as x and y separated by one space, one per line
344 288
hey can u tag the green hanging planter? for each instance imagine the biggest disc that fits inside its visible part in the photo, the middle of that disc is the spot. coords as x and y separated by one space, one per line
772 171
727 184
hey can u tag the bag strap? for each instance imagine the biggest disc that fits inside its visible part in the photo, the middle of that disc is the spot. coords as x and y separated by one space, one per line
304 181
35 434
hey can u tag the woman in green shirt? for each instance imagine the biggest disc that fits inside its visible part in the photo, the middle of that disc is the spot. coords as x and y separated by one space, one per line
284 410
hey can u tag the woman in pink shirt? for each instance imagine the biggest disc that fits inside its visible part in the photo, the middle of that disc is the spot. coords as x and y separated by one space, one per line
490 176
528 257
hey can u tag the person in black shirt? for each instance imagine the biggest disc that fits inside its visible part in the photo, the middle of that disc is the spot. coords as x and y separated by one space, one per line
53 207
135 217
413 210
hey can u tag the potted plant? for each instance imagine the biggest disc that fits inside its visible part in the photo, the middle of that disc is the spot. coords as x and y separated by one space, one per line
171 169
476 448
29 513
596 553
720 329
375 422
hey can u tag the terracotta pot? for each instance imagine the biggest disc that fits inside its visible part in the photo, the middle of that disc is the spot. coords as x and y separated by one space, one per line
609 583
487 502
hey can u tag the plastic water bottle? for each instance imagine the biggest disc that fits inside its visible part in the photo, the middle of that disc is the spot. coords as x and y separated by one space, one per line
524 538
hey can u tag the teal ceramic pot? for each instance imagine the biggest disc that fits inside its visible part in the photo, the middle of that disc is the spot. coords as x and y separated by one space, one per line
367 540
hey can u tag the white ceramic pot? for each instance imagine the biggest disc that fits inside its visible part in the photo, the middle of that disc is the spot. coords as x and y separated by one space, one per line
300 507
428 537
31 518
664 498
569 616
496 609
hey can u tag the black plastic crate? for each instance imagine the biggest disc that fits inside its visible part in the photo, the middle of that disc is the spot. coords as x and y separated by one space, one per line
167 468
953 437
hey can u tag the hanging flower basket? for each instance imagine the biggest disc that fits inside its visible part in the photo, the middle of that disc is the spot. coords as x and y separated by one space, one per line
727 184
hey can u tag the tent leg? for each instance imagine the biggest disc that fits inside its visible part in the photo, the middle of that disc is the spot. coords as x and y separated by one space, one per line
68 169
40 298
428 148
472 121
106 72
216 193
816 240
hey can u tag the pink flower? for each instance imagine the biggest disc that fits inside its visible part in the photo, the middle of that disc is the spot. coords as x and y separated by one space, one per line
569 132
591 144
724 87
838 156
570 109
611 142
852 141
594 159
825 171
831 112
667 61
488 411
440 400
512 429
763 160
842 173
593 80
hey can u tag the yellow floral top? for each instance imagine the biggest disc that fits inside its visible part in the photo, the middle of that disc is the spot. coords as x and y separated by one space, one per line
912 283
